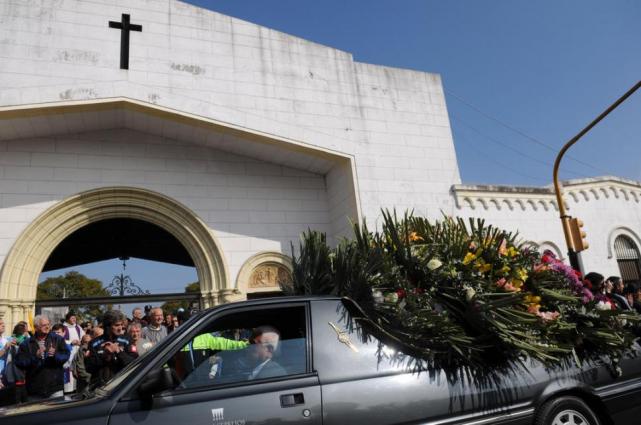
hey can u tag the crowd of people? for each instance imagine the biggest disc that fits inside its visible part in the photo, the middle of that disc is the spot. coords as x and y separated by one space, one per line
612 293
65 358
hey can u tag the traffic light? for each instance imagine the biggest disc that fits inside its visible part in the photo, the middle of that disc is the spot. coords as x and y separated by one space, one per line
578 235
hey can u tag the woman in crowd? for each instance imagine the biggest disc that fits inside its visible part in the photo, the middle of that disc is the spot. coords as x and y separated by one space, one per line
14 377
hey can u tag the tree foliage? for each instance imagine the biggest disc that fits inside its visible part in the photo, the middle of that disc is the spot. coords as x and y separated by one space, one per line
74 285
173 306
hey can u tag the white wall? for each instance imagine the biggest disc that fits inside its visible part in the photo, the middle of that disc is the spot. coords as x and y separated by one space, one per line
250 205
393 121
608 206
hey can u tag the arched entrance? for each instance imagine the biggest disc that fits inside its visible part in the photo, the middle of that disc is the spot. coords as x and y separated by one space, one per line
31 251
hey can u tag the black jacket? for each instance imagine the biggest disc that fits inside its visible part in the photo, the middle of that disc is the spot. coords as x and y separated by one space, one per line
12 373
44 376
103 365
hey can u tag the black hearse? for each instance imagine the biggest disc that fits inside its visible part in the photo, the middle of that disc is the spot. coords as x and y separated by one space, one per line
329 372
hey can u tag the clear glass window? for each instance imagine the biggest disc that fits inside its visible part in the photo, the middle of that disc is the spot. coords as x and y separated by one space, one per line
243 347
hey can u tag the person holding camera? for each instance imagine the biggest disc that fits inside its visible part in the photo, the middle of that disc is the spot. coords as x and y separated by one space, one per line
111 352
42 358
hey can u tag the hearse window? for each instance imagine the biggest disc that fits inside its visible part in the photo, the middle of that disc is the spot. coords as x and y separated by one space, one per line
356 349
243 347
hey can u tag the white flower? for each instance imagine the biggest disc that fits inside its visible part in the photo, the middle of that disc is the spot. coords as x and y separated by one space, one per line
378 296
604 305
434 264
469 293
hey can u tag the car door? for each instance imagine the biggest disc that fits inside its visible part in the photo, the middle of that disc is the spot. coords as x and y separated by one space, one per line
215 379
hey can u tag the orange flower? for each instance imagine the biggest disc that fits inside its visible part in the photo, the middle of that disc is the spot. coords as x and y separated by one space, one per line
513 285
415 237
503 248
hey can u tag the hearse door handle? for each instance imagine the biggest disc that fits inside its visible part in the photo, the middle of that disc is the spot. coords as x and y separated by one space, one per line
290 400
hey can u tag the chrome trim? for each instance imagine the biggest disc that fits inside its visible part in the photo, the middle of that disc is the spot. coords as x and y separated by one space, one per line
619 387
480 419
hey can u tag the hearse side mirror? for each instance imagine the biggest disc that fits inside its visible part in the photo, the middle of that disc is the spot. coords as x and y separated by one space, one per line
156 381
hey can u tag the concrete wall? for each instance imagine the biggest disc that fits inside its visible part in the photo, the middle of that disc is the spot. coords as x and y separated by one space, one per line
394 122
250 205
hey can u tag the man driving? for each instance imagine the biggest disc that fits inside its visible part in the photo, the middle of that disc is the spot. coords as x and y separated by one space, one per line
264 343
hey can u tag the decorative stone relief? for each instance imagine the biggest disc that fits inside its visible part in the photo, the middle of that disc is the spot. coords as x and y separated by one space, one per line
264 272
269 275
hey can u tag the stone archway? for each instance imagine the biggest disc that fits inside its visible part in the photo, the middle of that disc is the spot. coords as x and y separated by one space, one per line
22 267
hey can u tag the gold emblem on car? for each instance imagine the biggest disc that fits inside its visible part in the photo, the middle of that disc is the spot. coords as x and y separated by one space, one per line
343 337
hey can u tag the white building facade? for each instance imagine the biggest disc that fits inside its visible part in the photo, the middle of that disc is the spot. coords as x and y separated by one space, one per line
234 138
609 207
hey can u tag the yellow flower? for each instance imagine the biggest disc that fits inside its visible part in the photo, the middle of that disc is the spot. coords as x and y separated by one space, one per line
482 266
532 299
469 257
505 269
512 252
522 274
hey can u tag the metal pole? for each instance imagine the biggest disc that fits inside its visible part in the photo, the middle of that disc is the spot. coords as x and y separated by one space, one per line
565 219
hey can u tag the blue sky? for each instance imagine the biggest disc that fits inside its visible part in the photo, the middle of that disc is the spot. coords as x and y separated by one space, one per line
543 68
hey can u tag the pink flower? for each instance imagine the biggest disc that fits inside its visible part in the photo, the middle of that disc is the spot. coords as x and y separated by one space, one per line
587 296
548 316
540 267
511 288
501 282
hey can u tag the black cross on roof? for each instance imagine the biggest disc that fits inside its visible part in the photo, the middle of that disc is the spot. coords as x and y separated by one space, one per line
125 26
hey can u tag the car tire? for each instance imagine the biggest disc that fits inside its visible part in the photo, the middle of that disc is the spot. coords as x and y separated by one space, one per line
566 410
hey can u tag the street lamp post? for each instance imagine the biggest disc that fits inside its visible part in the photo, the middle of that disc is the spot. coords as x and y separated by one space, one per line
571 226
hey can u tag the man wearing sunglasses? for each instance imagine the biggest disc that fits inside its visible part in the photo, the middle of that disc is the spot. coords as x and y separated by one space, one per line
264 345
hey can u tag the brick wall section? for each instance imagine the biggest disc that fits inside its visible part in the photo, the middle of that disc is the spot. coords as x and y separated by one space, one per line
250 206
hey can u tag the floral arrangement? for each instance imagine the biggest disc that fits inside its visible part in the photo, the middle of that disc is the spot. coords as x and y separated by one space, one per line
460 293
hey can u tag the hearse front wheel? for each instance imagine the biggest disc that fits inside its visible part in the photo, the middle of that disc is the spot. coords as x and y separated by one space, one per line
566 411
